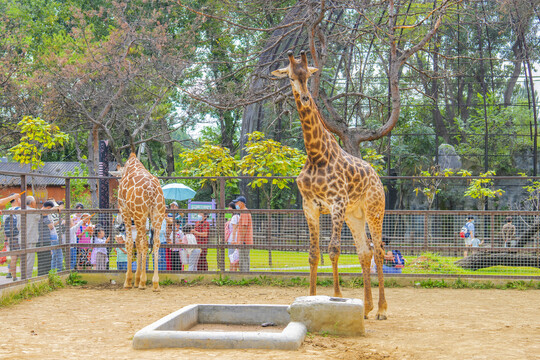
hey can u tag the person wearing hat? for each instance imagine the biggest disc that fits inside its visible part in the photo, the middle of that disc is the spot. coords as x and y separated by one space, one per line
245 233
469 234
509 233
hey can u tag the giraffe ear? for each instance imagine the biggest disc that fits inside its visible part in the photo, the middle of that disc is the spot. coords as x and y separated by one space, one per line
119 171
312 70
281 73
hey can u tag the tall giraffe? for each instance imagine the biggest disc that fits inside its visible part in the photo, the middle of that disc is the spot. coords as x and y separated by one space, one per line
139 197
336 183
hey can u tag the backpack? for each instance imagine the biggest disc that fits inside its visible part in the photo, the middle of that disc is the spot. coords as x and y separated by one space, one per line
11 228
464 232
398 259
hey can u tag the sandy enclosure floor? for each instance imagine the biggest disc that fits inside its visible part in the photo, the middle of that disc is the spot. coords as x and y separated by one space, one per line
99 323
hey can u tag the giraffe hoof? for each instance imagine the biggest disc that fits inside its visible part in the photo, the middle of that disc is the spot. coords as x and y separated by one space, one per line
158 289
381 317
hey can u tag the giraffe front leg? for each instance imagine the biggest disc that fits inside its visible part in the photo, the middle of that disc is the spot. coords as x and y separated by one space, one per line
314 253
312 218
334 248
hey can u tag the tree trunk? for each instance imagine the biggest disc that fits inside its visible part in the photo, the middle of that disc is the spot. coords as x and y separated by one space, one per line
268 62
93 160
528 235
169 149
486 259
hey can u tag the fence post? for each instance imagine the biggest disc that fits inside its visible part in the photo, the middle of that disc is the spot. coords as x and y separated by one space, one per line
67 205
492 219
24 240
269 238
425 232
221 226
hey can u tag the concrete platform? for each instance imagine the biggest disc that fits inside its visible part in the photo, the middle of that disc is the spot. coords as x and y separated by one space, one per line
339 316
173 330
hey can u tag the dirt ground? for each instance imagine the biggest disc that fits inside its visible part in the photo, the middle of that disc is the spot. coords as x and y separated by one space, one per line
99 323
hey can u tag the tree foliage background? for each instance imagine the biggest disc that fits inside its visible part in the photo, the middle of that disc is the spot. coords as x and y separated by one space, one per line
397 78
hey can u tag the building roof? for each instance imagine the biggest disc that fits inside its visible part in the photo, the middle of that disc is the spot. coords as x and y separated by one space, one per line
58 168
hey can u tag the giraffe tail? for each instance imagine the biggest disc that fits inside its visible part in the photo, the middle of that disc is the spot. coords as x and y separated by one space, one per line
151 241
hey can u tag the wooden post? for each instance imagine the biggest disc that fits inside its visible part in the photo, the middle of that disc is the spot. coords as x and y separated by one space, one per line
67 205
221 226
425 232
24 240
269 238
492 219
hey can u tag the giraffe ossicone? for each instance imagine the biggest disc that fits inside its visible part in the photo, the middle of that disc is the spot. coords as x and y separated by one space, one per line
336 183
140 197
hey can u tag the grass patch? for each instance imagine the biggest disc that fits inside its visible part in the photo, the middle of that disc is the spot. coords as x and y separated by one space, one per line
75 279
32 290
464 284
294 261
297 282
426 263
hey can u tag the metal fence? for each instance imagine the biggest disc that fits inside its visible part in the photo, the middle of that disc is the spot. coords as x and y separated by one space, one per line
429 240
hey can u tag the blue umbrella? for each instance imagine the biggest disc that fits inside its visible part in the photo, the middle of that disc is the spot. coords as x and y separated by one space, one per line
178 192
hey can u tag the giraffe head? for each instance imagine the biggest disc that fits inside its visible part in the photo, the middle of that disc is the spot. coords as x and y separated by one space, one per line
298 72
119 172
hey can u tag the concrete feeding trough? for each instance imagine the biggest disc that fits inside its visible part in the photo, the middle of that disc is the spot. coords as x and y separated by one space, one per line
245 326
224 327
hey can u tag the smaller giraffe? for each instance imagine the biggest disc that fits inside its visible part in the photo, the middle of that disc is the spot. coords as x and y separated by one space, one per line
140 197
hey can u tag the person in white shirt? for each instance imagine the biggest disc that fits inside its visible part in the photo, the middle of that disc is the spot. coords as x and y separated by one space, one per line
99 256
190 256
232 231
176 238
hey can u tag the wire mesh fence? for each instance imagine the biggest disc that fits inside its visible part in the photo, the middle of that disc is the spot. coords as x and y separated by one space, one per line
499 243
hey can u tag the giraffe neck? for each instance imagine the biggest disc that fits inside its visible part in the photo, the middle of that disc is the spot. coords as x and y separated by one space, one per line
317 139
133 163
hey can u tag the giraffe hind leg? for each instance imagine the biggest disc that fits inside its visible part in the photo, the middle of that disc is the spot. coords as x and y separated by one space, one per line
357 226
142 245
155 255
375 219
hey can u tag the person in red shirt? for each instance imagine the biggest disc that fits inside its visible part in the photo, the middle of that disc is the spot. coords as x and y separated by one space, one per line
202 228
245 233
